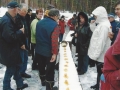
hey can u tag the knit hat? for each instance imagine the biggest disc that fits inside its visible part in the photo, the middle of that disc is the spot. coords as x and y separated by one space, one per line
62 16
12 4
74 15
111 15
53 12
50 6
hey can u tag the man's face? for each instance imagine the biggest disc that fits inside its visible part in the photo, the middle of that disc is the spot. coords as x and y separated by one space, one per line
23 11
111 19
56 18
16 10
117 10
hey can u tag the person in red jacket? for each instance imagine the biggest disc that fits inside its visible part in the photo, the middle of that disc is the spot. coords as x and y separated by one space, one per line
62 27
72 22
111 68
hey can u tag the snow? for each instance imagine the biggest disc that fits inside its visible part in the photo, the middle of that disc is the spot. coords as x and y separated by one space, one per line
34 83
2 11
67 15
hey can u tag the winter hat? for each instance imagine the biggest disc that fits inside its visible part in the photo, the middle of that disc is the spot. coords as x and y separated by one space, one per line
111 15
12 4
53 12
62 16
50 6
74 15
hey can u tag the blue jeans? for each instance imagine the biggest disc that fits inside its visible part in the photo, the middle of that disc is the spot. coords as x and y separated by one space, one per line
60 37
12 71
24 56
83 63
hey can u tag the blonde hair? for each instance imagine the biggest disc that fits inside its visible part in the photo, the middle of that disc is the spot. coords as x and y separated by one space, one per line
46 13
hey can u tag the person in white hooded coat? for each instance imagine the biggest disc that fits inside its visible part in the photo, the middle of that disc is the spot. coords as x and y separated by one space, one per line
100 42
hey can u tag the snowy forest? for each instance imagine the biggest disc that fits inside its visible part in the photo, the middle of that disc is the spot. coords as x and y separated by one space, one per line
70 5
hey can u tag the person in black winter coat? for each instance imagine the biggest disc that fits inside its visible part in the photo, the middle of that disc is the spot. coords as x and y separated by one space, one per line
20 19
83 34
10 47
29 19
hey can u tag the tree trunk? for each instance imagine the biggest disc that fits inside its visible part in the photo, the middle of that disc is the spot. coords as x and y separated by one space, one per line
50 1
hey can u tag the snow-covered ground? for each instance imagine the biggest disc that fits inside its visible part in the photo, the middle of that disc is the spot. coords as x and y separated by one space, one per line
2 11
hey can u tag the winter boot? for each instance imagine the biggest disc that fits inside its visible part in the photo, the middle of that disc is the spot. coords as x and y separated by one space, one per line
49 85
24 86
42 77
96 86
99 66
55 88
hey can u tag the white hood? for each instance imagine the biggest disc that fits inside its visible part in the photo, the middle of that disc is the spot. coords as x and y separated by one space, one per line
101 14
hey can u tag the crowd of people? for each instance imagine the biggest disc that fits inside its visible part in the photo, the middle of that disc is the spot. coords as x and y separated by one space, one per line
97 43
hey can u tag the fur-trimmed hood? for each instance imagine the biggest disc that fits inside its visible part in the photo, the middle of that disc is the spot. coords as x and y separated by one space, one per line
84 16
